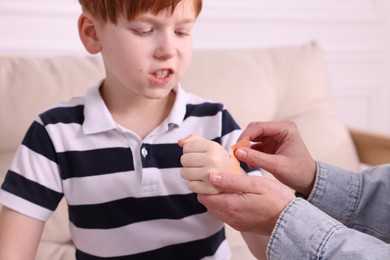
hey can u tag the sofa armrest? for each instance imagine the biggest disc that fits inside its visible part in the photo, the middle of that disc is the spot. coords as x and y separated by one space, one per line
372 148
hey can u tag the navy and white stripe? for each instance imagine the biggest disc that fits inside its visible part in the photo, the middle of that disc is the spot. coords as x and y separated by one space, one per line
125 195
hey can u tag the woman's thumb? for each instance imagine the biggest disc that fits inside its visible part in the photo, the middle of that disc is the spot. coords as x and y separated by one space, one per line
256 159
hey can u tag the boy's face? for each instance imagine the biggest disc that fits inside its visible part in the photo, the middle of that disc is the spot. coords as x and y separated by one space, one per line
148 55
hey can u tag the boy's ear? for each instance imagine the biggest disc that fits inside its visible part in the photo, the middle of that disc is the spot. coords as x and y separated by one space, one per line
88 33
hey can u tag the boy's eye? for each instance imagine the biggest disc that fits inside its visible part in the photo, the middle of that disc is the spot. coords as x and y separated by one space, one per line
143 32
182 32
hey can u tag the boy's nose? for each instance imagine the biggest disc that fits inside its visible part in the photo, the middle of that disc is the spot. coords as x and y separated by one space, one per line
165 48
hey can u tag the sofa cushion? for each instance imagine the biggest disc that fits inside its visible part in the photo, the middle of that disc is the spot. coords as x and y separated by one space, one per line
29 85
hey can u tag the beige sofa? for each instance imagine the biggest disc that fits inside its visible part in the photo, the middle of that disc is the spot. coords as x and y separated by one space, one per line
259 84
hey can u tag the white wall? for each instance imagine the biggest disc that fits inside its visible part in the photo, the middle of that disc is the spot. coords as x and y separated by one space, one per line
355 35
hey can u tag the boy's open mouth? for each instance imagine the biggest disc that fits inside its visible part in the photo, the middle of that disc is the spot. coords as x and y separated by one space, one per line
162 74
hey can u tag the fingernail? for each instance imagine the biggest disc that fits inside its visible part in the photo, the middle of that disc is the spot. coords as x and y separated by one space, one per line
241 153
215 178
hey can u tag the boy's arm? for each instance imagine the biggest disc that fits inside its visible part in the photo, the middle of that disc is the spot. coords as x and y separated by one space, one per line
19 235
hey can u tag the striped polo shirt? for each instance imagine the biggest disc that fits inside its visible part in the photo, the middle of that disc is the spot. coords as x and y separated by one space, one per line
125 195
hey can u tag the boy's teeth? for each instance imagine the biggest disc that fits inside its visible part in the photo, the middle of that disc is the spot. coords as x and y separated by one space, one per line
162 74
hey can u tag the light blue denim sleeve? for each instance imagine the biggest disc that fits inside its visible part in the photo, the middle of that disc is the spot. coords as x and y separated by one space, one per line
357 200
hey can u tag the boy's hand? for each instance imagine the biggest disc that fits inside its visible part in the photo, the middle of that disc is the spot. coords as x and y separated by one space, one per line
200 158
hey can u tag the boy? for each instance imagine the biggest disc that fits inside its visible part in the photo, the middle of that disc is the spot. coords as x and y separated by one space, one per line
113 153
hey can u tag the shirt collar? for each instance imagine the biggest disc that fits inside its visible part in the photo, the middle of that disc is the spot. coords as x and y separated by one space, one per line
97 118
178 111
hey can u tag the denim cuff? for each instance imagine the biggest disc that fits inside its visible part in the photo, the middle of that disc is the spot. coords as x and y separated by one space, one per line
300 232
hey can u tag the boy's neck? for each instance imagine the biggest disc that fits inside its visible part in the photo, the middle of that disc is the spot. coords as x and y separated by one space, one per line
140 115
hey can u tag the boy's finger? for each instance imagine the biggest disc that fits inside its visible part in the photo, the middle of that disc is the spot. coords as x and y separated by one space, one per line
187 139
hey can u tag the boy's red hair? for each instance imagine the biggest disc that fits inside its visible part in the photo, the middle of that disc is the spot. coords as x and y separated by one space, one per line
110 10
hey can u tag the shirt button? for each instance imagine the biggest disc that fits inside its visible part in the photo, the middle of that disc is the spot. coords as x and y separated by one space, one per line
144 152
